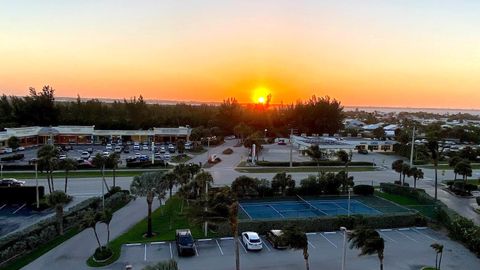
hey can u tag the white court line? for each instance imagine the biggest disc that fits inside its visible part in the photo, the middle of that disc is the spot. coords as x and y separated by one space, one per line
328 240
388 237
204 240
14 212
329 232
311 244
404 229
421 228
386 230
407 236
171 253
134 244
226 238
196 250
219 247
431 238
311 233
157 243
242 246
1 207
145 254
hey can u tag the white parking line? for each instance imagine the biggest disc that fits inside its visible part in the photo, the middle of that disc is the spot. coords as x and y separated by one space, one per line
425 235
386 230
1 207
204 240
311 244
196 250
398 231
133 244
240 243
171 253
266 245
157 243
145 253
328 240
404 229
330 232
310 233
219 247
226 238
18 209
386 236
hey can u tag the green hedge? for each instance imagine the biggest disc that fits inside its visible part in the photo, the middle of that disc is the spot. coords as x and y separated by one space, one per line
365 190
327 223
28 239
311 163
13 157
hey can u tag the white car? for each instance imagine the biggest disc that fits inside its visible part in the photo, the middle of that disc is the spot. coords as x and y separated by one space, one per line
145 147
108 147
62 157
166 156
252 241
11 182
106 154
85 155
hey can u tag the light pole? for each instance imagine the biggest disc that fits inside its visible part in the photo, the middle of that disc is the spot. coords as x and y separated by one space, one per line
349 195
206 203
265 134
36 185
1 170
103 186
344 254
208 149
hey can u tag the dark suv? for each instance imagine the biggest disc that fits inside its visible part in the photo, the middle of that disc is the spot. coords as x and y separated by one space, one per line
185 242
11 182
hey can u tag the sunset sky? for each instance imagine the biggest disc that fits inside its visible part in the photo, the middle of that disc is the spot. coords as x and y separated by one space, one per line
415 53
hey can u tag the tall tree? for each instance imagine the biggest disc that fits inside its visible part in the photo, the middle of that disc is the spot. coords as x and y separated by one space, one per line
58 199
345 158
100 162
106 217
397 166
67 165
283 181
112 162
244 186
13 142
316 154
417 174
171 181
465 170
405 172
438 251
452 162
369 242
297 240
48 161
90 220
150 185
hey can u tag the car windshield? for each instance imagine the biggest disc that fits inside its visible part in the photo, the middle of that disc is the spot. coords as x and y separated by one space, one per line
185 240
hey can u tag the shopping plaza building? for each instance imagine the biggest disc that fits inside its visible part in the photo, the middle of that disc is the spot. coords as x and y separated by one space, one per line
36 135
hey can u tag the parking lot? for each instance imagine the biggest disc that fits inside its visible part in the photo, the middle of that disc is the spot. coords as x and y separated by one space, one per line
405 248
14 216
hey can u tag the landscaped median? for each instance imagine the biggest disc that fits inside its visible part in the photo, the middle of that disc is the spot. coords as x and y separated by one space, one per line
23 247
82 173
304 166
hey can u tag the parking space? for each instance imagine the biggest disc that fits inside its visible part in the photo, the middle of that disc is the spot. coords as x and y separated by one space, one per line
14 216
325 249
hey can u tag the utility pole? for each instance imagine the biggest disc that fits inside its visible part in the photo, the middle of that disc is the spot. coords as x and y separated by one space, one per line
413 144
36 185
291 147
206 200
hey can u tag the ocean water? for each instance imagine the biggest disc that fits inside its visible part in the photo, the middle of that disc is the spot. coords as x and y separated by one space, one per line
428 110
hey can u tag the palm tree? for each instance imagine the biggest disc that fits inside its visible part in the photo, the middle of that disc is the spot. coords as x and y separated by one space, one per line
244 186
432 146
58 199
182 172
202 180
417 174
90 219
67 165
111 162
47 161
369 242
193 169
149 185
297 240
316 154
106 218
465 170
345 158
397 166
438 250
405 172
452 162
171 181
283 181
100 161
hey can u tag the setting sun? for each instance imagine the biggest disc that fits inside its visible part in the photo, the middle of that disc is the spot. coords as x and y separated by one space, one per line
260 94
261 100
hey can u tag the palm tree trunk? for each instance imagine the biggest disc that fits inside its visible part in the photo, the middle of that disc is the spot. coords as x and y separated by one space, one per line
436 179
96 236
108 233
48 181
66 180
381 264
105 181
455 177
414 182
440 260
436 260
59 210
149 219
237 251
114 175
305 256
51 179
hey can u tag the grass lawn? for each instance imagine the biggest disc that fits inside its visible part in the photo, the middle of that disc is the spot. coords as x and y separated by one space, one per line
424 209
77 174
166 219
17 264
469 181
301 169
183 159
475 166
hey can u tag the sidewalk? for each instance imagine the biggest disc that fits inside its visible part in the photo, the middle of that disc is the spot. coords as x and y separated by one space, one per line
73 253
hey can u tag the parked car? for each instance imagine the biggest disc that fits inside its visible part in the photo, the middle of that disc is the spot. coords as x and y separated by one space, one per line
185 242
136 146
62 157
21 148
126 150
137 155
188 146
275 237
363 151
118 149
143 158
11 182
251 241
167 156
145 147
85 155
171 148
106 154
281 142
7 150
162 149
90 150
108 147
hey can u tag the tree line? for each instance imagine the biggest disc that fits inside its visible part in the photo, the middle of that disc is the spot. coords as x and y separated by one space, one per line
315 115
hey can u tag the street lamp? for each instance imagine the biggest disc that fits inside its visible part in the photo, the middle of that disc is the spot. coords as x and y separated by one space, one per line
349 195
36 185
344 255
265 134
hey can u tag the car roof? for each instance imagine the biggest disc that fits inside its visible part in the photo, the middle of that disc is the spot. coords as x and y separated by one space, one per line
252 235
276 232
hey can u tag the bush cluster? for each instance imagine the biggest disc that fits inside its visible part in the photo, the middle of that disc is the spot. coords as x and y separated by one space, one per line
30 238
365 190
227 151
145 164
13 157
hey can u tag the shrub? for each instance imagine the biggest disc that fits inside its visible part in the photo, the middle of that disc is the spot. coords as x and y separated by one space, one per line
166 265
397 182
365 190
478 200
227 151
13 157
311 163
102 253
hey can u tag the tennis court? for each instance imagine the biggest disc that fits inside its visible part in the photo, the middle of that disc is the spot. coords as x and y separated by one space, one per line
315 207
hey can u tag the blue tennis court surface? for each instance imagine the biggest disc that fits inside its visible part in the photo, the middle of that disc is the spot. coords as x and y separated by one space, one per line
305 208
